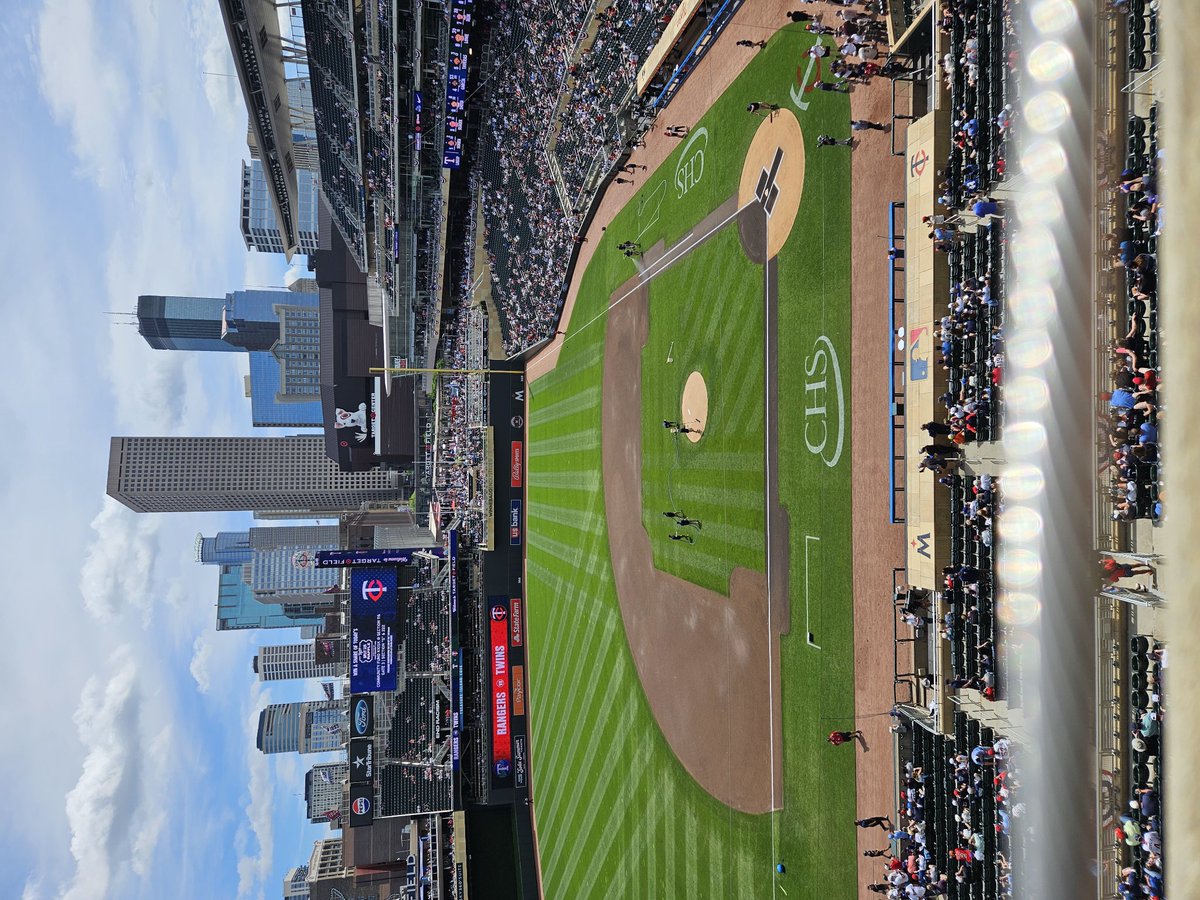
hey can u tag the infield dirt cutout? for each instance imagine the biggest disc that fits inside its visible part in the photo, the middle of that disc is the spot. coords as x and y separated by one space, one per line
776 152
694 406
708 662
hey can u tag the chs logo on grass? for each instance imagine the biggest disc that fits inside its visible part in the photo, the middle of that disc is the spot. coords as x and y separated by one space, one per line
824 403
690 168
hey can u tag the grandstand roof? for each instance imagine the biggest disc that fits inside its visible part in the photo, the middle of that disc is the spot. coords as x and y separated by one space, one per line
252 27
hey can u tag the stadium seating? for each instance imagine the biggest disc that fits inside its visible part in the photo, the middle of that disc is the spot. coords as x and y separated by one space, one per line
979 257
972 652
946 796
1136 467
536 191
983 91
1140 827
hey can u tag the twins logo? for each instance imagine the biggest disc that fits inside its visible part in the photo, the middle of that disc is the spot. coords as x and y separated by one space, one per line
373 589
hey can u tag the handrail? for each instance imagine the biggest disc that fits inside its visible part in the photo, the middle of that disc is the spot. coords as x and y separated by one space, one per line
895 409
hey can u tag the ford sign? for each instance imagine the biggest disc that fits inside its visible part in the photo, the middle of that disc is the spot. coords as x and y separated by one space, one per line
362 717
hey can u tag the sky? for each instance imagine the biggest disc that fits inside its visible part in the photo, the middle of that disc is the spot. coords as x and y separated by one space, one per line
131 767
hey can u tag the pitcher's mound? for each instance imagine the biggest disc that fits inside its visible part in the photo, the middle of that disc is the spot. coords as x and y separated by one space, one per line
694 407
773 174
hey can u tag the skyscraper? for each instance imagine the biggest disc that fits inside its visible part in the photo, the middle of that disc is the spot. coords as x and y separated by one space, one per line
295 884
237 547
185 474
284 662
239 321
238 608
323 786
260 227
280 330
311 726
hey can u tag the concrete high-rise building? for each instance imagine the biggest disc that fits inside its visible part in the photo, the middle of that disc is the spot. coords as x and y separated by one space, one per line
239 609
285 662
326 860
195 474
323 786
260 227
311 726
236 548
295 883
280 572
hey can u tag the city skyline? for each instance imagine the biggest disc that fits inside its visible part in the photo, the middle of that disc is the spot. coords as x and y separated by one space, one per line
119 131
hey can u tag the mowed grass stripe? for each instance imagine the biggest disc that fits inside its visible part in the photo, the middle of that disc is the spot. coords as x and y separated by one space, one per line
574 595
573 644
559 717
582 439
587 397
578 808
617 794
567 745
548 482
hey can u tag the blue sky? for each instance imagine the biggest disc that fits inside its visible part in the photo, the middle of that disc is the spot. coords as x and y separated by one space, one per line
130 762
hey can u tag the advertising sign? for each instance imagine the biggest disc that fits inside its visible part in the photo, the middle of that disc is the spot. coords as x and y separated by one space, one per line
398 556
374 614
516 624
362 805
453 542
362 761
514 523
362 715
327 650
520 761
461 23
518 463
518 690
457 721
501 740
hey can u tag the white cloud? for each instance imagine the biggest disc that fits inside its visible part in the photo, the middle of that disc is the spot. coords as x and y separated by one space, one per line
102 805
255 868
117 566
33 890
85 86
202 651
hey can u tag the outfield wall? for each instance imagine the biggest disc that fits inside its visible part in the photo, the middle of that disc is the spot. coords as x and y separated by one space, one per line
503 585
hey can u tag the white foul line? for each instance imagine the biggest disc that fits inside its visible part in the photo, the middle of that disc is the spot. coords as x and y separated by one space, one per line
808 631
688 242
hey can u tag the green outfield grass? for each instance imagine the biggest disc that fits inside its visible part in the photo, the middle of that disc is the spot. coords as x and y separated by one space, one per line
616 813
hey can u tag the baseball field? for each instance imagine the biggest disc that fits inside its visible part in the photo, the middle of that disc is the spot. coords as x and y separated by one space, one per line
681 689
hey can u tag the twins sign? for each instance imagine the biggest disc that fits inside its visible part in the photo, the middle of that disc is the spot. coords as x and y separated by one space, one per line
374 615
